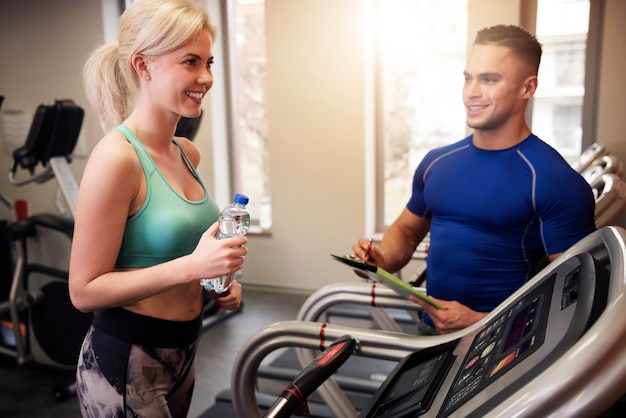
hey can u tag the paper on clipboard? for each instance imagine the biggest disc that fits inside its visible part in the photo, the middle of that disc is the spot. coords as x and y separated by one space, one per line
382 276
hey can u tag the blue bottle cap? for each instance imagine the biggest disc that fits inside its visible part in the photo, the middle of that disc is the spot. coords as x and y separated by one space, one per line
242 199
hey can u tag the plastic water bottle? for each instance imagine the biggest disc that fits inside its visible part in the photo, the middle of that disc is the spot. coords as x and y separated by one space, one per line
234 221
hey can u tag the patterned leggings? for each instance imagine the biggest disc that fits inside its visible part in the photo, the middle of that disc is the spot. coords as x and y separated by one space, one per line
117 378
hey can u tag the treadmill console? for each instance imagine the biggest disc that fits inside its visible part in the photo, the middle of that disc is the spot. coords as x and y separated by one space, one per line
501 345
416 383
456 378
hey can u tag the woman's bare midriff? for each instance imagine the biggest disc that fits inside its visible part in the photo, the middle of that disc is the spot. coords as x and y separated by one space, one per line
182 303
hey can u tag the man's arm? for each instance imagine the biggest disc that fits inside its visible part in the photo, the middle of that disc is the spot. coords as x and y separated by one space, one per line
398 243
401 239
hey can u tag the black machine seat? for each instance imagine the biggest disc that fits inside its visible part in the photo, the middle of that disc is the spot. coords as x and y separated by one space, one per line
53 133
188 127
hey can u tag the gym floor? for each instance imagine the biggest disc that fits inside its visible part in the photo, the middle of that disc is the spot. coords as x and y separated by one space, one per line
27 391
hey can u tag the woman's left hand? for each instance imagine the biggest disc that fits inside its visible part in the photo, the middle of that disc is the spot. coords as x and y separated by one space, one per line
232 300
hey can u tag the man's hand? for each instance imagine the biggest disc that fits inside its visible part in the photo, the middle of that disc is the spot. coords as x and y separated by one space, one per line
454 318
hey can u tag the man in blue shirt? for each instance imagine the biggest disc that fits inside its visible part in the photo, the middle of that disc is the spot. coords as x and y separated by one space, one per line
497 202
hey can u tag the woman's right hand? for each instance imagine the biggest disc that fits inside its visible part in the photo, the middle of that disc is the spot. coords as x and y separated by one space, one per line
214 257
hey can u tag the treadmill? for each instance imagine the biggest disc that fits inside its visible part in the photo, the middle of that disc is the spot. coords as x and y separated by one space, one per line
553 348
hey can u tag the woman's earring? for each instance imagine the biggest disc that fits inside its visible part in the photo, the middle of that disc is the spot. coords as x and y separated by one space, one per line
147 77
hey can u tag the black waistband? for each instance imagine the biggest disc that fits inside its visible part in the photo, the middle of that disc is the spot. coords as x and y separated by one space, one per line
145 330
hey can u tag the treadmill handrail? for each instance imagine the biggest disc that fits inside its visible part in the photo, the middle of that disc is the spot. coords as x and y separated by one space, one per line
294 397
375 298
356 293
371 343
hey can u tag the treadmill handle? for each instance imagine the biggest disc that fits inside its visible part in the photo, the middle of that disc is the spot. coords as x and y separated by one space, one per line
293 399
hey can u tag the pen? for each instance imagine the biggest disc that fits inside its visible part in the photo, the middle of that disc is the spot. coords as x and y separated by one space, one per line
369 244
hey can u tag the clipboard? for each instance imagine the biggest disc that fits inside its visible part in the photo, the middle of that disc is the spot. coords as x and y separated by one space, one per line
382 276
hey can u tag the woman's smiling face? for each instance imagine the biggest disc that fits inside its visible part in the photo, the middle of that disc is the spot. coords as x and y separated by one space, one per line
181 79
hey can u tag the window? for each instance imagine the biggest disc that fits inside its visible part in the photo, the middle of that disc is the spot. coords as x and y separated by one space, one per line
250 137
421 55
242 33
562 27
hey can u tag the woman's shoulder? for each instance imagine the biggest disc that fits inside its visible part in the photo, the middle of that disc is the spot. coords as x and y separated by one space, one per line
114 155
112 176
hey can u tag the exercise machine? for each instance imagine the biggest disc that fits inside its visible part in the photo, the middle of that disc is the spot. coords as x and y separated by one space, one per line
588 156
607 164
611 199
45 328
553 348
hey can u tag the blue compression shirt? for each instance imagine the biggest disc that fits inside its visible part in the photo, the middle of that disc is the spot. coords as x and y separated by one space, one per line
494 215
167 226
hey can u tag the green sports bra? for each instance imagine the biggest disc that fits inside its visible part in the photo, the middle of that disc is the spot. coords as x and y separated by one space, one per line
167 225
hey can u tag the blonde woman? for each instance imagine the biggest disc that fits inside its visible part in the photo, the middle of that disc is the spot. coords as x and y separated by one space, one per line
145 222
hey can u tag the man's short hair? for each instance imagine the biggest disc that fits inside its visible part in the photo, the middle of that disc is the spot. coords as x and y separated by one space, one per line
522 42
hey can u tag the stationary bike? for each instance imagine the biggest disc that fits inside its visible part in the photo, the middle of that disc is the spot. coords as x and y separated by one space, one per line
40 324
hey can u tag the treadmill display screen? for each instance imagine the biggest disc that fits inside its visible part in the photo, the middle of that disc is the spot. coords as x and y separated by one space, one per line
520 327
415 384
